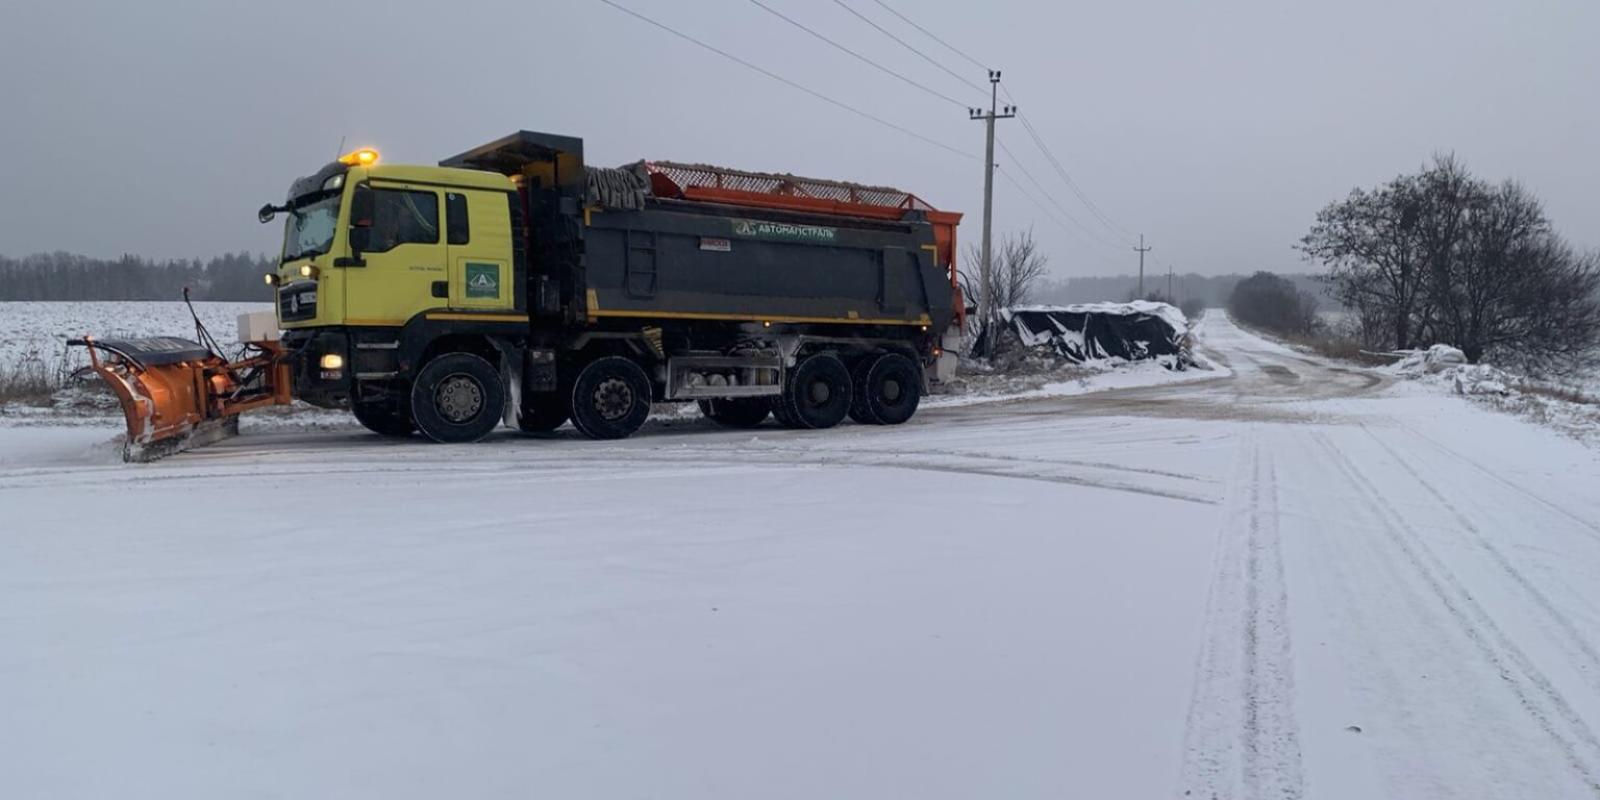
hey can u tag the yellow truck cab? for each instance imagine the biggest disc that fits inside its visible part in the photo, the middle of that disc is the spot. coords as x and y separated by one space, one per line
370 247
435 236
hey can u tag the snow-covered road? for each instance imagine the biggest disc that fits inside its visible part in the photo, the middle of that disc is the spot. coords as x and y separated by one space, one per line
1296 580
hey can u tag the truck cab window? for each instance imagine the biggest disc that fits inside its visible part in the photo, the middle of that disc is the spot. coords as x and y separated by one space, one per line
403 217
457 229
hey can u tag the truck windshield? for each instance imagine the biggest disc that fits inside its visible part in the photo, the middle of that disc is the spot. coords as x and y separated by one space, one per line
310 229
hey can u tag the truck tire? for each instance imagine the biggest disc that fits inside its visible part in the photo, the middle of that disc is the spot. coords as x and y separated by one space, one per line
860 412
737 412
817 394
384 419
457 397
892 389
780 412
610 398
543 412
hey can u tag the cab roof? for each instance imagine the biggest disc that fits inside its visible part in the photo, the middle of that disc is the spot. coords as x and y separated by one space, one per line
466 178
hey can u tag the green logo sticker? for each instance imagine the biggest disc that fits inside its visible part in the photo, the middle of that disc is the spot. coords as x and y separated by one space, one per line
761 229
483 280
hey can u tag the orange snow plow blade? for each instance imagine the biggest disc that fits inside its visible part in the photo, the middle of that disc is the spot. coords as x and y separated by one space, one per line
177 395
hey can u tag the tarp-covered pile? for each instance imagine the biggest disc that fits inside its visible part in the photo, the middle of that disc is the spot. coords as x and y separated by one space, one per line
1094 331
616 187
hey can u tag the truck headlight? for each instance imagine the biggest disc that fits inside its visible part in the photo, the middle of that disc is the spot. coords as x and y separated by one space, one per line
332 361
308 271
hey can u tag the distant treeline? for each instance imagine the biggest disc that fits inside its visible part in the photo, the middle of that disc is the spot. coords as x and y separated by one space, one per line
1212 290
65 276
237 277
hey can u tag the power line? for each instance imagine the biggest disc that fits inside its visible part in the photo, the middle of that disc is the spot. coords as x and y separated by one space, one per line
879 67
1033 133
1087 231
1048 214
903 43
952 48
1038 140
775 76
1066 178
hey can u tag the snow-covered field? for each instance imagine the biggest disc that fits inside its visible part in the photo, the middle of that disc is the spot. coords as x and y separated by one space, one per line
1286 579
42 328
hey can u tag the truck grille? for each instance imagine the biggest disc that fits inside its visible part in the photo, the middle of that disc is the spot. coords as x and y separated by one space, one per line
297 303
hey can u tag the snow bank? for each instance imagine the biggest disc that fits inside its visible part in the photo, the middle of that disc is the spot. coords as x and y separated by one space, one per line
1445 368
1430 361
1087 378
1448 365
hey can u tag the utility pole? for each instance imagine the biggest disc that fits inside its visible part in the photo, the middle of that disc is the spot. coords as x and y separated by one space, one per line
1170 297
985 270
1141 250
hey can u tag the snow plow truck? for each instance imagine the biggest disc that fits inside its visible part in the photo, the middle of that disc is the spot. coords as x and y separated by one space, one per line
513 283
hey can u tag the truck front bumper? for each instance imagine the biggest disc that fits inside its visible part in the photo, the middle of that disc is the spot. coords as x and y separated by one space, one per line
327 388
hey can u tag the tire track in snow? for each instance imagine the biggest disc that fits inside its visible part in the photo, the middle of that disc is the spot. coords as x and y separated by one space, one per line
1069 462
1591 529
1549 709
566 460
1579 649
1242 738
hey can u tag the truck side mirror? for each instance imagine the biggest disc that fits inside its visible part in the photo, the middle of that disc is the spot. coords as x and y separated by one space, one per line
268 211
361 206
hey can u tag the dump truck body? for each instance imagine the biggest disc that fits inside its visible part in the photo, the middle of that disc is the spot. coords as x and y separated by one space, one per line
681 260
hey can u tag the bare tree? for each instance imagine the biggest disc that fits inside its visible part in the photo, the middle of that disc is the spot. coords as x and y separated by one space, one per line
1018 267
1444 257
1368 244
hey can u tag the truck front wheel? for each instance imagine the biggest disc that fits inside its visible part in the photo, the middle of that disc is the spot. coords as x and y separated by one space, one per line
457 397
610 398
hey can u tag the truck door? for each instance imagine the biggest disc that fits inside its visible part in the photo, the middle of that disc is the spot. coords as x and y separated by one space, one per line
478 232
404 256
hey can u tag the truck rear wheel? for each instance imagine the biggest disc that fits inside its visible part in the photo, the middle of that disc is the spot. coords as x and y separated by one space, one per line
542 413
859 410
457 397
384 419
891 391
610 398
817 394
780 412
737 412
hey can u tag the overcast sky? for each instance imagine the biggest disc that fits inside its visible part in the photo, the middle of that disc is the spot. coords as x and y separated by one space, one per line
1216 128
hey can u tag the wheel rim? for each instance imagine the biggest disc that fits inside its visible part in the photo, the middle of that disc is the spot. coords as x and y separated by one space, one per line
613 399
819 392
459 398
892 391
